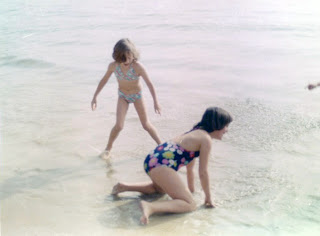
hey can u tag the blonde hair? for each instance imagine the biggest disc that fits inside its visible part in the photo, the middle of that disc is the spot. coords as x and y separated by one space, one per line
122 47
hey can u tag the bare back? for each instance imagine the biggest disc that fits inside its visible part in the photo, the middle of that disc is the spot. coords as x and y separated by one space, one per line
192 140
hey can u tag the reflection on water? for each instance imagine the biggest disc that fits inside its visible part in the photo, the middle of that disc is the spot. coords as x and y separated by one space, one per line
109 168
32 179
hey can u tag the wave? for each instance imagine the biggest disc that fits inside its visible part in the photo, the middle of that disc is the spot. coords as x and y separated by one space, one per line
14 61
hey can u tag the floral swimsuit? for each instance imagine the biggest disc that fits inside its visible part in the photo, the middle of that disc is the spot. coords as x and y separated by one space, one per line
169 154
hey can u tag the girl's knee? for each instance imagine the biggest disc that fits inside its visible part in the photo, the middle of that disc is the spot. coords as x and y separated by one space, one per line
118 127
158 189
146 126
192 205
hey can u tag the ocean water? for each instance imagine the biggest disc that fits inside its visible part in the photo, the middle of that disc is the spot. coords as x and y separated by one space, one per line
253 58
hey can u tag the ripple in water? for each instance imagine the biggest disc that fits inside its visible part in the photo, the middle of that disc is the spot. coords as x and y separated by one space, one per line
258 126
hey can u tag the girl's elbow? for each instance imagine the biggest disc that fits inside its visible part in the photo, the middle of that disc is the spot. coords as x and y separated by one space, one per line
150 86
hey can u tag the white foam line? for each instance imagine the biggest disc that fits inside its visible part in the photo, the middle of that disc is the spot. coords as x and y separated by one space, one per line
28 35
96 149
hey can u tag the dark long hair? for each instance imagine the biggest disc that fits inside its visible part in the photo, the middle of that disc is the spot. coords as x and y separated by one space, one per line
214 118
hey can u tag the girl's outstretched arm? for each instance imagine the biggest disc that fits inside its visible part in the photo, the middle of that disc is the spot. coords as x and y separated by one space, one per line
203 169
146 78
101 84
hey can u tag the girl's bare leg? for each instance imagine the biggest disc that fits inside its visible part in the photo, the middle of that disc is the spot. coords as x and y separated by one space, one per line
145 188
141 110
171 183
122 108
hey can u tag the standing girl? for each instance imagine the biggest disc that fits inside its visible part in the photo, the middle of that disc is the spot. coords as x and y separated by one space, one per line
128 71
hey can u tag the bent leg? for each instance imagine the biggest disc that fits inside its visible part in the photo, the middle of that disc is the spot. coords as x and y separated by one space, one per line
145 188
171 183
141 110
122 108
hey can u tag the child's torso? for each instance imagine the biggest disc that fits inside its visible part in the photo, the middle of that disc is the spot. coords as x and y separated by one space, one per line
128 75
169 154
177 152
189 140
128 79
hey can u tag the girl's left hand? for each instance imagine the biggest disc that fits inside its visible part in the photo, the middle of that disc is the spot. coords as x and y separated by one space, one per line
157 108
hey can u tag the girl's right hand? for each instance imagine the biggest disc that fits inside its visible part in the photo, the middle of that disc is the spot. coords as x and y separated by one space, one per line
157 108
93 104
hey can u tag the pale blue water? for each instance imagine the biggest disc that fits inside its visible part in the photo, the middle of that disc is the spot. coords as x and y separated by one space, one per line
253 58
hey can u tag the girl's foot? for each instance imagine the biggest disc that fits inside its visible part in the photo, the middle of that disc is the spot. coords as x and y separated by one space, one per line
144 219
105 154
118 188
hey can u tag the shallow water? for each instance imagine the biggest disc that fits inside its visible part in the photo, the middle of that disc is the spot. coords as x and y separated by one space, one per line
252 58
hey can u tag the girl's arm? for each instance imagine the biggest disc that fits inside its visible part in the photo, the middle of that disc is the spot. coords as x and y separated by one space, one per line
146 78
203 169
190 176
101 84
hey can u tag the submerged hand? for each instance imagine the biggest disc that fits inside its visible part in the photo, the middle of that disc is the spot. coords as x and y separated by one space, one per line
93 104
157 108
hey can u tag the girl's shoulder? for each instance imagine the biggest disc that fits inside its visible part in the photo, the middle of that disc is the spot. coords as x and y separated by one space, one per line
202 135
137 66
193 140
112 66
197 134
